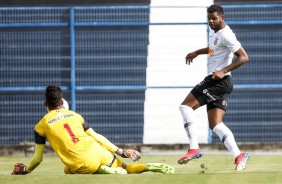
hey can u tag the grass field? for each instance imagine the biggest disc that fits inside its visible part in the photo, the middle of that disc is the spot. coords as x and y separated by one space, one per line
220 170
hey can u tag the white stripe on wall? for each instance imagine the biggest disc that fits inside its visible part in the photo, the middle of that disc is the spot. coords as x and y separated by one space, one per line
168 46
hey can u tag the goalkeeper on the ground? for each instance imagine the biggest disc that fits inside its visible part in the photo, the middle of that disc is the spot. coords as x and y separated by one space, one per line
80 148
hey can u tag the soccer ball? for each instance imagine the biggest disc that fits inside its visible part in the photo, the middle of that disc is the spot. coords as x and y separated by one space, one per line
65 104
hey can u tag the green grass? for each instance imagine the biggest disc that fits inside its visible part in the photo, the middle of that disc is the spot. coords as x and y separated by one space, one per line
220 170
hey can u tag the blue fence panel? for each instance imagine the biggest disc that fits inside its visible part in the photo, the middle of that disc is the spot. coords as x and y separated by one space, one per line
19 114
263 44
32 58
112 15
75 48
117 115
108 53
32 55
253 13
111 56
34 17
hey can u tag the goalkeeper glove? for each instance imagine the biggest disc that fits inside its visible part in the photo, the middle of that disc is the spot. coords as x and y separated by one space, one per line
19 169
129 153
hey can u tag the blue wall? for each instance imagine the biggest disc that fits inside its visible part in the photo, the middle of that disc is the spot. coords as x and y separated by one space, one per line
98 55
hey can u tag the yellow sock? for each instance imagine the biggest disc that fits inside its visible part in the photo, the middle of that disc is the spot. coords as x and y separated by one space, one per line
136 168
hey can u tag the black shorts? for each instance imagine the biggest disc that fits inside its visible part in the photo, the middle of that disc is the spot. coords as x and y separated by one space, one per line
214 93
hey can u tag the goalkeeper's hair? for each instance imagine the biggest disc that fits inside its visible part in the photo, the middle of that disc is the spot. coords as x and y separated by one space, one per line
215 8
53 96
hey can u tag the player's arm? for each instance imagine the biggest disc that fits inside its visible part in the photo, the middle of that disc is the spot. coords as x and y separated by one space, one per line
37 157
190 56
20 168
102 140
125 153
242 58
99 138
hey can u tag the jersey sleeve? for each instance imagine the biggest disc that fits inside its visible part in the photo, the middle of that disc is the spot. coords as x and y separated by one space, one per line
39 133
102 140
85 126
39 128
38 138
231 42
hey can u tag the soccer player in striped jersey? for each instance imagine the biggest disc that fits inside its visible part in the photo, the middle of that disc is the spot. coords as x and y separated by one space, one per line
214 90
80 148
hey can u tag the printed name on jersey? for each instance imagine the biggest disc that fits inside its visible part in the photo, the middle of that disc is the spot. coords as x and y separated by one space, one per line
59 118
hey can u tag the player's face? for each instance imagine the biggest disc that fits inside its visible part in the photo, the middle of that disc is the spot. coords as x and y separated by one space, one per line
216 21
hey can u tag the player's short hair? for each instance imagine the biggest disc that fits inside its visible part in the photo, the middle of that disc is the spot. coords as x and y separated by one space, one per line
215 8
53 96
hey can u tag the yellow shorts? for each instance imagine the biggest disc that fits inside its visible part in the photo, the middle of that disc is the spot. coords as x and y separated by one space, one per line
92 159
117 163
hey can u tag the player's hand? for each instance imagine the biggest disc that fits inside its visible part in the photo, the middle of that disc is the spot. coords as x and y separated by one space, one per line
129 153
19 169
218 75
189 58
133 154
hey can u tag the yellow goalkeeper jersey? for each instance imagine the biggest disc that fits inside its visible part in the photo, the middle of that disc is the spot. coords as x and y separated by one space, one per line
64 131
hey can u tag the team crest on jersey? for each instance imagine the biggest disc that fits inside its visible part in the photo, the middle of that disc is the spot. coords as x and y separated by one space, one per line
211 52
215 41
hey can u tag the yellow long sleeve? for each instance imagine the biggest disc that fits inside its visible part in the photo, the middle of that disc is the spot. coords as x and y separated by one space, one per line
102 140
37 157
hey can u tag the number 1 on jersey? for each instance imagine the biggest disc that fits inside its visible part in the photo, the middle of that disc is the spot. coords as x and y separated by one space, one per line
73 138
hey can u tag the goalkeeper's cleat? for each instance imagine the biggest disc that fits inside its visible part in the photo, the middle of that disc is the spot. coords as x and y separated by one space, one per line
191 154
160 167
241 161
110 170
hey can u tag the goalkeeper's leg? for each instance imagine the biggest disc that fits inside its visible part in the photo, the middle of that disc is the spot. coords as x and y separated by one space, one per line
136 168
133 168
160 167
153 167
110 170
140 168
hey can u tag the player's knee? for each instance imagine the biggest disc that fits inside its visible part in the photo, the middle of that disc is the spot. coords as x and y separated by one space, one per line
67 170
184 107
211 126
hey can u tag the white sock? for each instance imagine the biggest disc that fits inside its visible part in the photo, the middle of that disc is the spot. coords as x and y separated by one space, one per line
226 136
189 125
